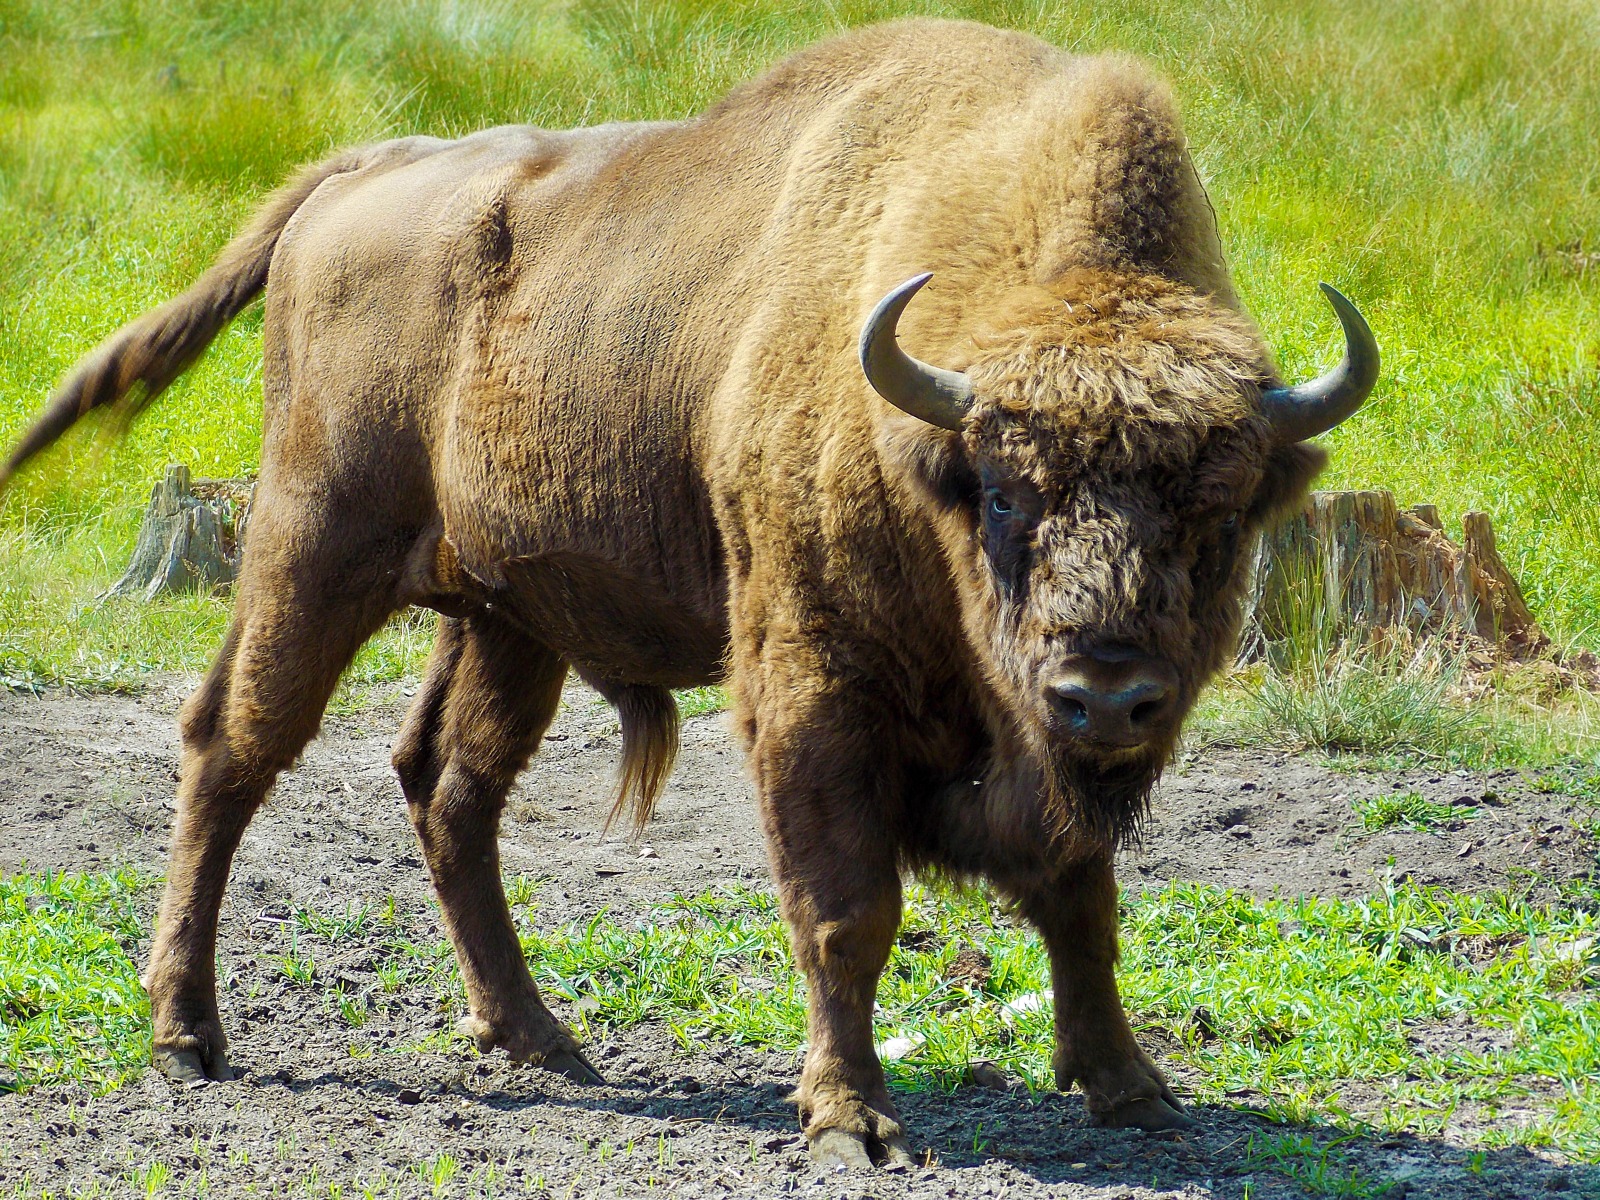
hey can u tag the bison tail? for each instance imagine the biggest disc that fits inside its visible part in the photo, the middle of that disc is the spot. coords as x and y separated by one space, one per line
649 748
134 365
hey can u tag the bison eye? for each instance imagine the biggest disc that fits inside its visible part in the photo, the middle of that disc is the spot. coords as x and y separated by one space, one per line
1005 539
1216 561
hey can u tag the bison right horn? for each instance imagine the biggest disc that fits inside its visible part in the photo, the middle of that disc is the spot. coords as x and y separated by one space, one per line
932 394
1309 409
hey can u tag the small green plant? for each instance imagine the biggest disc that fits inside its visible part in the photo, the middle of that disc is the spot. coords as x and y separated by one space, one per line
351 925
521 889
1405 808
391 975
152 1178
353 1008
438 1171
296 966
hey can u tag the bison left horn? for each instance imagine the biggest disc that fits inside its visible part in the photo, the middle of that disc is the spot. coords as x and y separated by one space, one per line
1309 409
937 396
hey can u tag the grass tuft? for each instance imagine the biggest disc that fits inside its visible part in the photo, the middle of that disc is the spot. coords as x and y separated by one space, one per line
1360 700
1405 808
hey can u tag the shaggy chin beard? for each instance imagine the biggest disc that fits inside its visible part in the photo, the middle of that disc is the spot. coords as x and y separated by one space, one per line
1103 802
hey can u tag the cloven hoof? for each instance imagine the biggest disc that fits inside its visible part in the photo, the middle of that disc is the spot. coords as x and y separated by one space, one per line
574 1066
190 1066
1153 1114
837 1148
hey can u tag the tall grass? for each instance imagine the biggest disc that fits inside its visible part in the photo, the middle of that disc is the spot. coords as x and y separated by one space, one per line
1435 159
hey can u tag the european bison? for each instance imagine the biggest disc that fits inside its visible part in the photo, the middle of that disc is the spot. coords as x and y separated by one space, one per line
629 401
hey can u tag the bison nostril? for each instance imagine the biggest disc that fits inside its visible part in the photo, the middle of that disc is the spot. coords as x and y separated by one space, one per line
1073 711
1144 711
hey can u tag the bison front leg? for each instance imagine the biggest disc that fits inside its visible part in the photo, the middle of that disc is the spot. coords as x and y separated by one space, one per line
291 635
485 702
1095 1047
839 888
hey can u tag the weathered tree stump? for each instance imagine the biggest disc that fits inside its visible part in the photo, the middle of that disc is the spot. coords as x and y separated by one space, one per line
1354 563
191 536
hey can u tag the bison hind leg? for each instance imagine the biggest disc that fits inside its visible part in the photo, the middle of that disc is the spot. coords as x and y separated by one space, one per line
487 699
649 717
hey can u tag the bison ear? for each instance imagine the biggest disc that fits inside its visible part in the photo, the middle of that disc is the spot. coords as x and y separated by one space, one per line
934 462
1290 470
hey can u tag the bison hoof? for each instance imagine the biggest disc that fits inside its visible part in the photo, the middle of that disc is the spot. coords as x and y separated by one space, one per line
897 1153
832 1148
540 1041
192 1066
836 1148
574 1066
1153 1114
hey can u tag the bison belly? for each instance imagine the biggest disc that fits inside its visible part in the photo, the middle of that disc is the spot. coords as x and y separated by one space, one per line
615 622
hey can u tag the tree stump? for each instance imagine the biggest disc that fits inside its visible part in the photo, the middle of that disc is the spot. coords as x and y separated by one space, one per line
191 536
1353 563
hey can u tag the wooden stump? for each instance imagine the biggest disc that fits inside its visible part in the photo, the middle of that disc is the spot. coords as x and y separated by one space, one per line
191 536
1353 563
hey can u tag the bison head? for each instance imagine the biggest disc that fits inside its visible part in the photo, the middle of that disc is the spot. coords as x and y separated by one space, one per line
1121 438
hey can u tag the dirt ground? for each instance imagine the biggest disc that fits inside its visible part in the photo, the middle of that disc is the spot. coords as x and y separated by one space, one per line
86 783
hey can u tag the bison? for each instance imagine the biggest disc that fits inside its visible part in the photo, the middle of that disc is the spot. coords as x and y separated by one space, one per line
632 401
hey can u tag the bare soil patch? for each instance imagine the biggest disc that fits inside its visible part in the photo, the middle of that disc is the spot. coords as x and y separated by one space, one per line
87 784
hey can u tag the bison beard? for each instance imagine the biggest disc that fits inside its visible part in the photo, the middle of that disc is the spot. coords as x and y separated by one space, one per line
631 401
1107 806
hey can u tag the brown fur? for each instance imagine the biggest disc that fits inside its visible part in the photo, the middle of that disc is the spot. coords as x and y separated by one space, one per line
593 395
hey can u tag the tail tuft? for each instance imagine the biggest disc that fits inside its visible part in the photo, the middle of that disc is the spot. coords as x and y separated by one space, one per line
649 748
126 372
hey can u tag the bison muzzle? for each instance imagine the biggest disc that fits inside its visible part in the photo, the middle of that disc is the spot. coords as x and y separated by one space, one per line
680 402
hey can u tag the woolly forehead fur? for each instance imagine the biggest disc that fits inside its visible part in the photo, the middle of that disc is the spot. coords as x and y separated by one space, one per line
1110 372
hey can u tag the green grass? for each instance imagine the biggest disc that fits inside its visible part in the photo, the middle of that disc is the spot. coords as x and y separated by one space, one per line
697 702
1312 1012
1435 160
1308 996
1406 808
1319 1168
71 1006
1303 999
56 631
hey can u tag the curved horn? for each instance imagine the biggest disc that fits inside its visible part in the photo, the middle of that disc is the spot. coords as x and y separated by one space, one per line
1309 409
937 396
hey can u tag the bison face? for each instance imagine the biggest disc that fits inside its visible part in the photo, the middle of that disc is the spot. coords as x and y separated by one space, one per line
1102 595
1119 447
